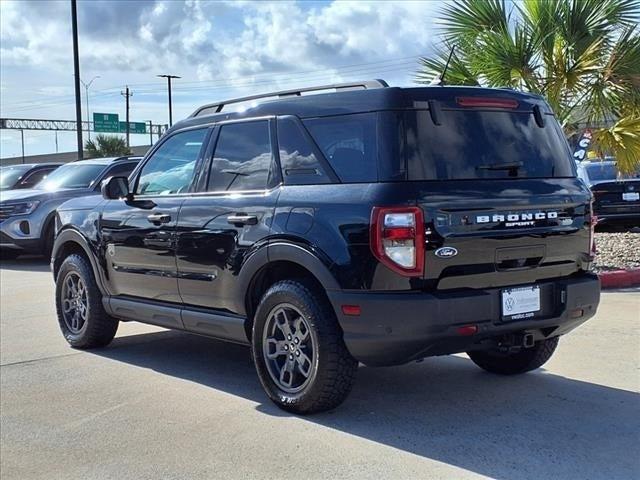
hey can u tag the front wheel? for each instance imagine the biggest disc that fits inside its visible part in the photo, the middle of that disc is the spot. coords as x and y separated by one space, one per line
300 356
525 360
82 318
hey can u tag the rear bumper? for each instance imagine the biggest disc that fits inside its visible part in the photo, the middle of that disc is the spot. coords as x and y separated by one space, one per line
395 328
627 218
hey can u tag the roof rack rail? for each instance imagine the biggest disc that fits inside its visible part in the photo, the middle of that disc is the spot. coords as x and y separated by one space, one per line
296 92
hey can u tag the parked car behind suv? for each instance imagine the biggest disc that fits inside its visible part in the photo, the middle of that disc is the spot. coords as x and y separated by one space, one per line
27 216
616 196
376 225
27 175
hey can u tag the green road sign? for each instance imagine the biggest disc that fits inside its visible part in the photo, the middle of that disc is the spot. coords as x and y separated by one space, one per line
106 122
134 127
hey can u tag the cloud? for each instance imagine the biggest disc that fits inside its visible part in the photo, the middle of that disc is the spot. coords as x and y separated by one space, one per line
220 49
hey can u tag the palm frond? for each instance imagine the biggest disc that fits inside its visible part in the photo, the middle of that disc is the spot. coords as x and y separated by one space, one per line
622 140
468 18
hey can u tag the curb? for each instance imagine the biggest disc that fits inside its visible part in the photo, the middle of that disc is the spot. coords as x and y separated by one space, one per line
620 278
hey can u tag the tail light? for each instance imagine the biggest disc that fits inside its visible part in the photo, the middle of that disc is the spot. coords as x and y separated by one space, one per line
397 239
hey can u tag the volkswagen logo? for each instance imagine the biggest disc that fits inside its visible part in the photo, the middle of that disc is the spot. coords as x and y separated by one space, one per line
446 252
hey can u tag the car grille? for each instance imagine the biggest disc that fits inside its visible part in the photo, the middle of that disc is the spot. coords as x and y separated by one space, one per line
6 211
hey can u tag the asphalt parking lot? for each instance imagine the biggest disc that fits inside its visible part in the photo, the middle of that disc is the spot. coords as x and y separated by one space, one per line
159 404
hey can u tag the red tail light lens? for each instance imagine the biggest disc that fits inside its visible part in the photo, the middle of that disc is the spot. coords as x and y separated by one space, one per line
486 102
397 239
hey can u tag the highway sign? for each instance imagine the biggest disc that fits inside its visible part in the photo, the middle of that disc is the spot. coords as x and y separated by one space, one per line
134 127
106 122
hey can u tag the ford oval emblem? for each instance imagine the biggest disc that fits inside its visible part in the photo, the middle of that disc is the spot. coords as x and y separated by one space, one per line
446 252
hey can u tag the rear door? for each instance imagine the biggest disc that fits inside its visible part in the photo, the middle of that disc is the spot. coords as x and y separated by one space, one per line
138 235
498 189
231 216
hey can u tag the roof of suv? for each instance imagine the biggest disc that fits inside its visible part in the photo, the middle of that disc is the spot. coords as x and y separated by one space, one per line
364 100
106 160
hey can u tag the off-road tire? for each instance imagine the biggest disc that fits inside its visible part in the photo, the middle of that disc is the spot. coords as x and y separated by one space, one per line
99 327
523 361
334 372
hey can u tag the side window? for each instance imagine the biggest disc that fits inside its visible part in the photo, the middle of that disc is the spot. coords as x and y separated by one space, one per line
242 159
36 176
123 169
171 168
349 143
299 164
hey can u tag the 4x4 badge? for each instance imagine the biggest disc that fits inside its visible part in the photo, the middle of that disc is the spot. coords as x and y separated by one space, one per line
446 252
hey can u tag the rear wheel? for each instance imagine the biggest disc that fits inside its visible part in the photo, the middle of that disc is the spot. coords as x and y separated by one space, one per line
300 356
525 360
81 316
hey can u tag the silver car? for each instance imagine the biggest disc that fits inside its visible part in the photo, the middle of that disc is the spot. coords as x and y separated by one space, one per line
27 216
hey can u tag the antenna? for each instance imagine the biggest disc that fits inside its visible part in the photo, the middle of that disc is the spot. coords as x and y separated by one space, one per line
439 79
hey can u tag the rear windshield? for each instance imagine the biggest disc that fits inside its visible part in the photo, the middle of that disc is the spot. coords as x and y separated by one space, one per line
598 172
472 144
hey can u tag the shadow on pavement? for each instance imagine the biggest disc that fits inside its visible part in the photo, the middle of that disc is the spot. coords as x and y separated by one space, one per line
537 425
26 264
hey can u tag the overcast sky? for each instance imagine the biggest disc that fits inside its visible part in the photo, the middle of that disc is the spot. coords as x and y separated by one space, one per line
220 49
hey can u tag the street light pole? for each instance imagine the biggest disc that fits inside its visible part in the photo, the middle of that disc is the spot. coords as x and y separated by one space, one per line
169 77
76 69
22 141
86 96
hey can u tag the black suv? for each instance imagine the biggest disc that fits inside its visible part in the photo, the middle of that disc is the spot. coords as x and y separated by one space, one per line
369 224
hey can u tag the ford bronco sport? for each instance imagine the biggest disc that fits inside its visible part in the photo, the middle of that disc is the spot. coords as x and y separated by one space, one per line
369 224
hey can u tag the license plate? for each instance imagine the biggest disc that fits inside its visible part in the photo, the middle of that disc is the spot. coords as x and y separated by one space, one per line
631 196
519 303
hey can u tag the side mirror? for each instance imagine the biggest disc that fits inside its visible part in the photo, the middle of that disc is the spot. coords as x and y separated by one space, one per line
114 188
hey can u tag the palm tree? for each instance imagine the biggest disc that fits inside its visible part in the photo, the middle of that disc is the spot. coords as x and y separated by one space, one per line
583 56
106 146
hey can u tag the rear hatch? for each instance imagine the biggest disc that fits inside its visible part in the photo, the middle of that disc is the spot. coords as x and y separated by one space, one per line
497 186
616 197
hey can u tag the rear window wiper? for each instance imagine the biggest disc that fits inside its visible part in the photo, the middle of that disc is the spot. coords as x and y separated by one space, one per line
511 167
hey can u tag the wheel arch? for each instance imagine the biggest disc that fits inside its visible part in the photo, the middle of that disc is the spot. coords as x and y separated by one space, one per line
280 261
68 242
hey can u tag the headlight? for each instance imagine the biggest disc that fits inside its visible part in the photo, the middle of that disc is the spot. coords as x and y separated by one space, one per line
23 208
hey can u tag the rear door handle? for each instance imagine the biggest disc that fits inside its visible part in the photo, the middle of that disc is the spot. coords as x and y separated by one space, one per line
159 218
242 219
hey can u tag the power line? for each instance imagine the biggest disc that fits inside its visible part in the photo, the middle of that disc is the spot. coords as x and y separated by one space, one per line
226 81
289 80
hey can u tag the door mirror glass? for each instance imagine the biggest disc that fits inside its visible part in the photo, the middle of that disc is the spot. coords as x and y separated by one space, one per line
114 188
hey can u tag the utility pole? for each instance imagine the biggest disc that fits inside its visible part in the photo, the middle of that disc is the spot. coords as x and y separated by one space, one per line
169 77
22 138
126 94
86 96
151 133
76 69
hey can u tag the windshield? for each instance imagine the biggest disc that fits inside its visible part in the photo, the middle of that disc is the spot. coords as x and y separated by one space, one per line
473 144
10 175
72 175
